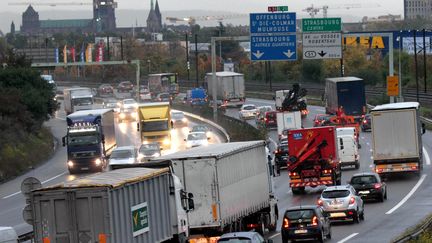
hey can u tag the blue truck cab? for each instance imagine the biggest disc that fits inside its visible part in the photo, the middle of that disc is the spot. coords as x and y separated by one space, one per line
89 140
197 96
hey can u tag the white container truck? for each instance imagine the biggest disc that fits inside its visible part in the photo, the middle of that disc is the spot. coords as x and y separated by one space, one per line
396 138
286 121
76 99
231 185
230 88
125 205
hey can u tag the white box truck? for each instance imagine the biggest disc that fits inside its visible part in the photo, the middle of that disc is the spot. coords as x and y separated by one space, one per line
230 88
125 205
231 186
396 138
76 99
286 121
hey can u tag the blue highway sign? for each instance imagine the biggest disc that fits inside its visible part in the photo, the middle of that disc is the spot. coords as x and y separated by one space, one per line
274 47
268 23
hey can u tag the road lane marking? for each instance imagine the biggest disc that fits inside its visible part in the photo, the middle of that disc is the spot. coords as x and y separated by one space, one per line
408 195
273 236
348 238
426 154
43 182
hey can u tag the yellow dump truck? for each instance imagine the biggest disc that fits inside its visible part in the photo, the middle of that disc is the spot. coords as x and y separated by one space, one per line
154 123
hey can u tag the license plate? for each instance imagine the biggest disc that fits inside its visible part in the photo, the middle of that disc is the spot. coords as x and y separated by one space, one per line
85 168
300 231
337 214
364 192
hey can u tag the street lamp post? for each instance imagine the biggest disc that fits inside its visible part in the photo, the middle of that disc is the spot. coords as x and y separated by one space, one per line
148 63
399 39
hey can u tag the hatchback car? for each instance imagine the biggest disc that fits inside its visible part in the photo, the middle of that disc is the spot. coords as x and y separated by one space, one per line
247 111
195 139
305 223
122 155
366 123
341 203
369 186
178 119
105 89
163 97
128 110
201 128
148 151
125 86
243 237
281 155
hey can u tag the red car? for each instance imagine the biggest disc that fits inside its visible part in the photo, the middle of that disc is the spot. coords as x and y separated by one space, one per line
125 86
105 89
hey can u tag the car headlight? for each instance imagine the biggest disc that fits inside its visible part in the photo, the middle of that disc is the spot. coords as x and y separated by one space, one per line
166 141
134 115
208 134
145 142
205 143
70 163
140 157
97 162
184 119
122 115
156 155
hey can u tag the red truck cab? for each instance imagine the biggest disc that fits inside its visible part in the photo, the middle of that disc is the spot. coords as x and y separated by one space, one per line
313 158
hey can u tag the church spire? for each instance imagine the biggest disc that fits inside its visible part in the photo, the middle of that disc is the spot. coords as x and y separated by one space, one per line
151 5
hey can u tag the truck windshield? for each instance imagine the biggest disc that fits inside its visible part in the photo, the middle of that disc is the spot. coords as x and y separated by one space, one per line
82 101
80 140
155 126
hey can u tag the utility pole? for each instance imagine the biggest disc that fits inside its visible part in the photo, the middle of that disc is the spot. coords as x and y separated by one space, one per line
121 47
187 57
415 63
108 46
196 60
424 60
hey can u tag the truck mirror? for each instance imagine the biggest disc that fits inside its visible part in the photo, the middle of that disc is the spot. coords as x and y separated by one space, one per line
64 141
190 195
138 126
423 128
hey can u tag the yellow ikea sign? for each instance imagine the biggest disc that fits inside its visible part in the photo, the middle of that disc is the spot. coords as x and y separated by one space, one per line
375 42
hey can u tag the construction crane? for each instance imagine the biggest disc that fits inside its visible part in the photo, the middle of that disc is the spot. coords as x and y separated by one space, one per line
55 4
312 10
193 20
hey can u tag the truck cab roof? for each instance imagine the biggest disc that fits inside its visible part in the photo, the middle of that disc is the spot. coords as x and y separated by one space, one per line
397 106
344 79
96 112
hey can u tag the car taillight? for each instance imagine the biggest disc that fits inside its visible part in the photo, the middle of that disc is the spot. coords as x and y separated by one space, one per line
377 185
327 171
320 202
293 174
286 223
314 221
364 121
352 200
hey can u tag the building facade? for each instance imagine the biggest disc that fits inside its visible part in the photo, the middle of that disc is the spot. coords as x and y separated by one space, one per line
417 8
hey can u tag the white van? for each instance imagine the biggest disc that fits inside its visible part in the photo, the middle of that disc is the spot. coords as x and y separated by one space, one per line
348 151
349 131
8 235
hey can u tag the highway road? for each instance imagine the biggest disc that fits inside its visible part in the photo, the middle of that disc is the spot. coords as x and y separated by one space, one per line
54 171
409 197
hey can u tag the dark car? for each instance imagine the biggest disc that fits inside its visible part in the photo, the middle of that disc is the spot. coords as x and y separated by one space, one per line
366 123
369 185
105 89
125 86
163 97
281 155
305 223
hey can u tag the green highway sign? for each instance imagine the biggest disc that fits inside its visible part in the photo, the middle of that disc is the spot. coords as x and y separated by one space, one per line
278 8
140 221
321 24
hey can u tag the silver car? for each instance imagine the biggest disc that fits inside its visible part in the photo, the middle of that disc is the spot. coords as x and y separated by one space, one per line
247 111
341 203
122 155
243 237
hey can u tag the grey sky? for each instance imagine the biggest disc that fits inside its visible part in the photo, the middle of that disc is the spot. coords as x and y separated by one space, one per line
240 6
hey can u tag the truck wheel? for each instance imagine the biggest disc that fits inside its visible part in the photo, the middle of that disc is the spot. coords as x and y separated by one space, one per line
357 165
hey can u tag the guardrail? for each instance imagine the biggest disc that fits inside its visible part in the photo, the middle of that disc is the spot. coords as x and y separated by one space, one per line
416 233
215 125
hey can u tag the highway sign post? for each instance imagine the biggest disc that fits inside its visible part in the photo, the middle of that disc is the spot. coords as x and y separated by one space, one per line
322 38
273 36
